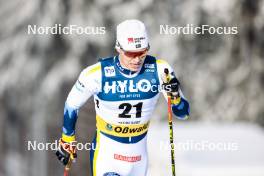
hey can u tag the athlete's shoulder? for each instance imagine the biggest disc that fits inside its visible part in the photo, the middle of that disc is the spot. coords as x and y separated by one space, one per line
162 62
92 69
95 68
90 77
90 72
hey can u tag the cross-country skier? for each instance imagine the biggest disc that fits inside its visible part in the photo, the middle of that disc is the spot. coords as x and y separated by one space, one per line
125 89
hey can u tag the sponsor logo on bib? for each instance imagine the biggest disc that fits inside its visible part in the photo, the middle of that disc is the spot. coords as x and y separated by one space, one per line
109 71
124 86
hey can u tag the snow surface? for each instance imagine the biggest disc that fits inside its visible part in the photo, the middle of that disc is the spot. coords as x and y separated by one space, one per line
229 149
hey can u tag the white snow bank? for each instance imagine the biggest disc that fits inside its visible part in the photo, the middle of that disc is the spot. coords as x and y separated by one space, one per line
205 149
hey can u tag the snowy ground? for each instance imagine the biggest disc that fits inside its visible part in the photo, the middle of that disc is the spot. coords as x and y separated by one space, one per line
205 149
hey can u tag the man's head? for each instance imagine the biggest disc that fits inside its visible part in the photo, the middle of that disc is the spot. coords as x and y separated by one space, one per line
132 44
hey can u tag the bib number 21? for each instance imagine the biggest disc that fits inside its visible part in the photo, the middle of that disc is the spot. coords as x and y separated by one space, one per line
127 107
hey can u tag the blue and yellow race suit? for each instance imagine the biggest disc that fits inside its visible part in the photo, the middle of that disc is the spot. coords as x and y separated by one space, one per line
124 102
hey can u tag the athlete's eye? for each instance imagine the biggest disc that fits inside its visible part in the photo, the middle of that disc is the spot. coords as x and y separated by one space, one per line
135 54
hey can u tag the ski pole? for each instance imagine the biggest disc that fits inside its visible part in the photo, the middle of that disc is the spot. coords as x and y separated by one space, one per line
166 71
171 136
68 166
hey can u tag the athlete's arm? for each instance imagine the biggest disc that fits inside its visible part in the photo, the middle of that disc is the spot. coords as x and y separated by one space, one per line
180 106
88 84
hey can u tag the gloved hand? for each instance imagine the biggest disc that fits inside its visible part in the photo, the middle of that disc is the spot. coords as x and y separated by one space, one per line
172 87
170 84
66 152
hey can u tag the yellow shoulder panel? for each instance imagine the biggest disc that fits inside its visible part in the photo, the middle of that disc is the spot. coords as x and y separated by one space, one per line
92 70
160 61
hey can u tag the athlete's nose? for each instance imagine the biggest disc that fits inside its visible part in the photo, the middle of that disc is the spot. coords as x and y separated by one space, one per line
137 59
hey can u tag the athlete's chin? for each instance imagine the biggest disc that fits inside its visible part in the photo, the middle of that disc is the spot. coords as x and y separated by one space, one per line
135 68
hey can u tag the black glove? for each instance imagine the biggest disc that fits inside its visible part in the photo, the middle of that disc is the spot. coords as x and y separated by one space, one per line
172 86
66 152
171 83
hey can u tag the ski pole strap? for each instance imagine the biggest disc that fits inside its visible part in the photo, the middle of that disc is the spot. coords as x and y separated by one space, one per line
124 130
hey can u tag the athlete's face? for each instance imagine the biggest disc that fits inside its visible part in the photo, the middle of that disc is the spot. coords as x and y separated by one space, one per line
132 60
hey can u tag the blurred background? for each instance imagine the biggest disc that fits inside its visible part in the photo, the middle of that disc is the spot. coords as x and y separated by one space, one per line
221 75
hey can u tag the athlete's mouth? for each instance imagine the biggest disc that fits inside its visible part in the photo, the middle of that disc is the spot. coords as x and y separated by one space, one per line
137 64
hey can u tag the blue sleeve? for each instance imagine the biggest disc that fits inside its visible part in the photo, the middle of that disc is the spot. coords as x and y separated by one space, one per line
182 109
69 120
